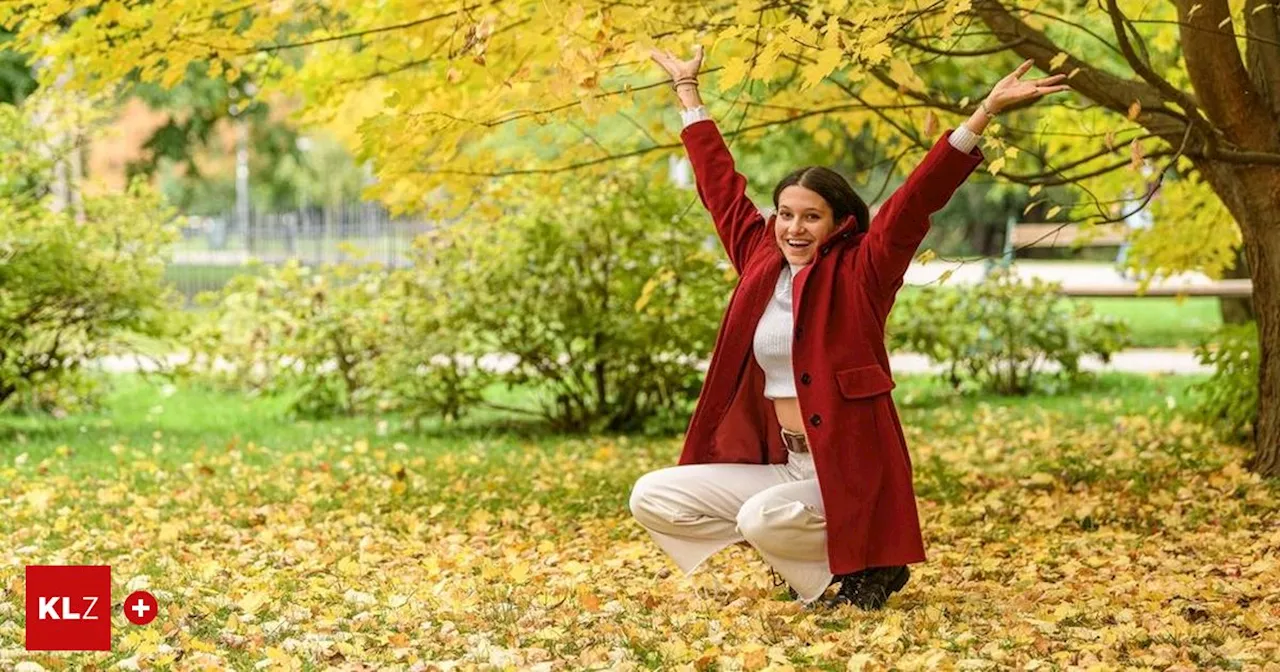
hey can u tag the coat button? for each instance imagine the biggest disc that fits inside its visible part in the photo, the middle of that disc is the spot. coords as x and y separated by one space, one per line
804 378
815 419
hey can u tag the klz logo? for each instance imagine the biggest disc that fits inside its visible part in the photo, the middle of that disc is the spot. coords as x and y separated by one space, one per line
69 608
48 609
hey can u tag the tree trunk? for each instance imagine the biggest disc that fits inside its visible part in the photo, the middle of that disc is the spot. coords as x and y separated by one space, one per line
1252 195
1264 260
1237 310
1231 101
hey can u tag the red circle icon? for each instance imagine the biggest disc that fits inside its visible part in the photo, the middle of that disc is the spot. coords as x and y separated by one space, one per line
140 607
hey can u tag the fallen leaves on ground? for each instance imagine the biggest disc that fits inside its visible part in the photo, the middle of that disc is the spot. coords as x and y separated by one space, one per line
1052 545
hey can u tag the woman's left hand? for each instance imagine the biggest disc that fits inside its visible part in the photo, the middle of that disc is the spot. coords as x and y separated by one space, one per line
1011 90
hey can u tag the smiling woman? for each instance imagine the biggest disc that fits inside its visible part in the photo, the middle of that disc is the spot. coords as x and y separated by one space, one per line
795 445
809 202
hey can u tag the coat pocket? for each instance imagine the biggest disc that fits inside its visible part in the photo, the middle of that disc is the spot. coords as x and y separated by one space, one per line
863 381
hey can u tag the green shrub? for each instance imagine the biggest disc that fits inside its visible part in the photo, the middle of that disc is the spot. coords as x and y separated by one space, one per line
601 297
999 334
337 339
1228 400
72 289
605 294
428 366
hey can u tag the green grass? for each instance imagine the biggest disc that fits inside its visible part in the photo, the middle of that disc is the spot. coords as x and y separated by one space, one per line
139 414
1164 322
1158 322
1106 396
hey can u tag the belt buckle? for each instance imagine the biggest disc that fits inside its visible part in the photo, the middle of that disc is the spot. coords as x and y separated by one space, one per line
795 444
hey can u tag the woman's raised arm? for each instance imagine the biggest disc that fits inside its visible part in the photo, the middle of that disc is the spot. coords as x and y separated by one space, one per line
903 220
721 187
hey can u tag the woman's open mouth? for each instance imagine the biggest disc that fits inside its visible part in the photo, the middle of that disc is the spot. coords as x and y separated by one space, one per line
797 244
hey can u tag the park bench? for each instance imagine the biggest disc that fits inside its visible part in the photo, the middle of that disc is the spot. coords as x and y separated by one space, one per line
1022 235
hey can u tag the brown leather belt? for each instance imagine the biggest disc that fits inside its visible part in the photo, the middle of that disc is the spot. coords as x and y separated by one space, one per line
795 442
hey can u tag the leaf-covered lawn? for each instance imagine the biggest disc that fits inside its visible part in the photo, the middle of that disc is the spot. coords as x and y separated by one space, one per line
1068 534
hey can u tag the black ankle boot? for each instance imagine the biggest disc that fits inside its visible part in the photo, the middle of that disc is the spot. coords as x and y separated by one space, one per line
870 588
779 581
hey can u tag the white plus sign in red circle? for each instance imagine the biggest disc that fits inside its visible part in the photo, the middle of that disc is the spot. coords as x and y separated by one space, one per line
140 607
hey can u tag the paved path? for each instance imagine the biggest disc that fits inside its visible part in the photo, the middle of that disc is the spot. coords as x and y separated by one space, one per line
1069 273
1152 360
1145 360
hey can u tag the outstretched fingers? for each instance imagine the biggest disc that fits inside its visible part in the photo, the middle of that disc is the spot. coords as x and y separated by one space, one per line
665 60
1046 90
1048 81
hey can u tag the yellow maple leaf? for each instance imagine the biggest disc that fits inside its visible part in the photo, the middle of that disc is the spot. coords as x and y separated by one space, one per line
349 567
253 601
735 70
876 53
814 73
169 532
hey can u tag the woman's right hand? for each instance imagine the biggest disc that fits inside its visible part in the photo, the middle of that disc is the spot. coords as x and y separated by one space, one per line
676 68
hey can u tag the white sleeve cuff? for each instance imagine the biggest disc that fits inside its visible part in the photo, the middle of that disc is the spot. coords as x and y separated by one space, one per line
963 139
695 114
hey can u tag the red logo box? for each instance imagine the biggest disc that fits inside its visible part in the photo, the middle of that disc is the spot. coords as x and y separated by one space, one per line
69 608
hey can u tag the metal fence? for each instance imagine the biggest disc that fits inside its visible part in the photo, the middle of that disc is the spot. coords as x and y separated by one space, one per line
213 249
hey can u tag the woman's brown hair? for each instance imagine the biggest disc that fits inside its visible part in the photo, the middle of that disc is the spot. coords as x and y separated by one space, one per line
834 189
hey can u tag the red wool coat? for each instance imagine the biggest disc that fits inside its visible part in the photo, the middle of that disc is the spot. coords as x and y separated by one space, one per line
840 303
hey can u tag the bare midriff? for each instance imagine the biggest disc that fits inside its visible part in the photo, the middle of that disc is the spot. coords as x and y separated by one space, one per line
788 410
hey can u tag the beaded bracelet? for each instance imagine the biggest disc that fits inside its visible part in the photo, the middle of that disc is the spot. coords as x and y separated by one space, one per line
685 80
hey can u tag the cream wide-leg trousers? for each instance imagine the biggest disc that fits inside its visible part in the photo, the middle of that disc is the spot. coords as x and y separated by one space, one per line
692 511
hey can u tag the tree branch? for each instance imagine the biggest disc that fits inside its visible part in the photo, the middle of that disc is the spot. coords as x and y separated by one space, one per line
1214 29
1108 90
1261 20
1144 70
1236 156
408 65
361 33
1043 178
1068 22
959 53
636 152
1221 82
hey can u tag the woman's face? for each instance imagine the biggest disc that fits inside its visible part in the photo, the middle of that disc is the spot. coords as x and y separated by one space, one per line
804 222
